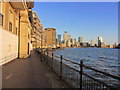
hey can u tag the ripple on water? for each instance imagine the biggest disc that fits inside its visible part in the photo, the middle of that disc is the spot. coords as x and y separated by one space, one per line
102 59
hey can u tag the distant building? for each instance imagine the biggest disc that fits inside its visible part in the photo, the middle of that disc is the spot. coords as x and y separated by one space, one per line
100 41
77 44
111 46
66 38
96 45
69 37
103 45
50 37
80 39
59 38
73 41
84 44
92 43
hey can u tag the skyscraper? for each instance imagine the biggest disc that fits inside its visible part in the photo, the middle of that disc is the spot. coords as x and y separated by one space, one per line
80 39
100 40
65 36
73 41
69 37
92 43
59 38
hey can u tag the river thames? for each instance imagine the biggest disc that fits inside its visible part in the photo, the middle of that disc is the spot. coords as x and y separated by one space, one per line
103 59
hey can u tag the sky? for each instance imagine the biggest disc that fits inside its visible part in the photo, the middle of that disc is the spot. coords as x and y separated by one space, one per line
81 19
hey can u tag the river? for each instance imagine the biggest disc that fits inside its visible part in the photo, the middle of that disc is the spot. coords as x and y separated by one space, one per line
103 59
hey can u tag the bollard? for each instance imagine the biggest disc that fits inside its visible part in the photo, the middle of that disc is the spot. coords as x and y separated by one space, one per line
61 66
81 71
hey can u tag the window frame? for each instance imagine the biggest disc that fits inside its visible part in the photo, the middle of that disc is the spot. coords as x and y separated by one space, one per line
1 19
10 26
16 30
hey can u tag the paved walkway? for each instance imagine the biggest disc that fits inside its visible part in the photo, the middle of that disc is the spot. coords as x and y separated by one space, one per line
30 73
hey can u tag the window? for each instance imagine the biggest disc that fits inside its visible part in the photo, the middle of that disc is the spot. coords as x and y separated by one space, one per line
10 26
1 19
11 18
28 36
16 31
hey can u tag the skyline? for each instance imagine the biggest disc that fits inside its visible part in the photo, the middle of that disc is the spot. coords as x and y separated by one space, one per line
88 20
77 40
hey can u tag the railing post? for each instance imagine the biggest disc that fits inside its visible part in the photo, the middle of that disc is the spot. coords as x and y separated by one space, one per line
61 66
41 55
52 60
47 57
81 72
44 56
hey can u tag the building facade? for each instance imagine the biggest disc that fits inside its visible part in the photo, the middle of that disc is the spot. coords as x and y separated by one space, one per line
80 39
100 41
66 39
13 16
38 32
59 38
92 43
36 36
50 37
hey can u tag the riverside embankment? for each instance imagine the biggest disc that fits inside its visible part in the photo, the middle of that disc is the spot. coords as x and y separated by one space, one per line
78 74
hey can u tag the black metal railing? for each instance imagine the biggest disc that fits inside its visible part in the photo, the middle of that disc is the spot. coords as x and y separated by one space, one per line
76 76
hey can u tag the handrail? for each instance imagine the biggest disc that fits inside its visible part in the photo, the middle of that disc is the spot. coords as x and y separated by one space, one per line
71 61
56 56
97 80
107 74
81 65
67 60
115 77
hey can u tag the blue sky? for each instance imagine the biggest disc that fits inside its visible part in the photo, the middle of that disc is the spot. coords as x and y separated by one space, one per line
86 19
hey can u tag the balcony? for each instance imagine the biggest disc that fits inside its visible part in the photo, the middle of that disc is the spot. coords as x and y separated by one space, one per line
30 16
22 4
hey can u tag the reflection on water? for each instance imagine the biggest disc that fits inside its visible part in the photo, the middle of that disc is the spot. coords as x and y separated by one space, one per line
103 59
